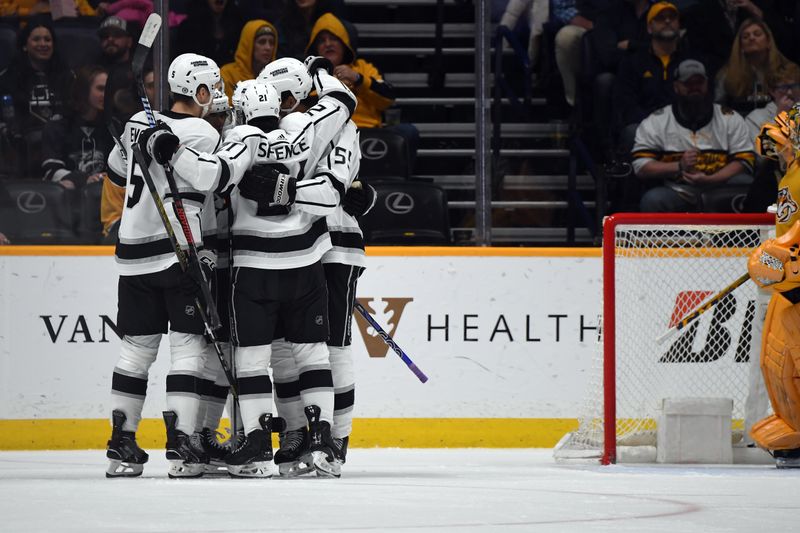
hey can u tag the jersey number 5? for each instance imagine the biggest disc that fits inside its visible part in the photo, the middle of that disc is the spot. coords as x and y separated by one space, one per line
138 186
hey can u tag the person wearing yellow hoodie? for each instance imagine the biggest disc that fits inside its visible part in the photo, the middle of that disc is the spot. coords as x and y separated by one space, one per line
258 45
336 40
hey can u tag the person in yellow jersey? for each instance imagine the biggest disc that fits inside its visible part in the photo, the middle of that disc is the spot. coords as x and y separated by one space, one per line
774 265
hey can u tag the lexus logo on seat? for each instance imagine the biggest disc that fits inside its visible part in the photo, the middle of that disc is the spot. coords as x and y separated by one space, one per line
374 148
399 203
31 202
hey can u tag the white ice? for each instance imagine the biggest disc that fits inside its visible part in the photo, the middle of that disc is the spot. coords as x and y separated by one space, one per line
399 490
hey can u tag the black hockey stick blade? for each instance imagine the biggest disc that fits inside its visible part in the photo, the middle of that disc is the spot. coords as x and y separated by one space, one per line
146 39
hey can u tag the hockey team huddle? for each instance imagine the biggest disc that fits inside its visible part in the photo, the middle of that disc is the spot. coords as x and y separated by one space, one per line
272 204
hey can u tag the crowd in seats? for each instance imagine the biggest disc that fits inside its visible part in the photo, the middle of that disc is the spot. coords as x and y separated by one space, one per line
67 87
618 61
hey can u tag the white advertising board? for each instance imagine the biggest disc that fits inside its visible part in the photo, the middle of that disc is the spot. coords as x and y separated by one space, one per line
499 337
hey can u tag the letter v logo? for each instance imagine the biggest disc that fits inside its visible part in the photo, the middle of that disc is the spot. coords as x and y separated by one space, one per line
393 312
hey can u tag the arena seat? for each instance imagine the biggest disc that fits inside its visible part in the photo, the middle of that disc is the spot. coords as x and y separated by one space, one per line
407 212
90 228
40 213
384 155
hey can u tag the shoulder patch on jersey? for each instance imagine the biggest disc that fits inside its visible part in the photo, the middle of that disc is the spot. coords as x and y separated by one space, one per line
727 110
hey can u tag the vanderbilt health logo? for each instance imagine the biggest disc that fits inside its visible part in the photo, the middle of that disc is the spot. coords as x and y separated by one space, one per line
389 319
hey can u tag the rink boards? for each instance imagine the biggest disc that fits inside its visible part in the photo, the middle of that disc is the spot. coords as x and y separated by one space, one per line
506 336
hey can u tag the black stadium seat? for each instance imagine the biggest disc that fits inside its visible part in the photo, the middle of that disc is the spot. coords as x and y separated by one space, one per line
40 213
407 212
90 228
384 155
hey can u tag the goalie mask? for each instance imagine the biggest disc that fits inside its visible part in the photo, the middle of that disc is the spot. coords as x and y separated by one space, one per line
260 100
189 72
288 75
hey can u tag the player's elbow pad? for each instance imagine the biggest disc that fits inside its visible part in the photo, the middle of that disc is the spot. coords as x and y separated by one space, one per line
201 174
327 85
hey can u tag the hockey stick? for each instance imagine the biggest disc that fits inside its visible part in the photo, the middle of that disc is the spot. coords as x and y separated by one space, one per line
691 317
189 261
390 342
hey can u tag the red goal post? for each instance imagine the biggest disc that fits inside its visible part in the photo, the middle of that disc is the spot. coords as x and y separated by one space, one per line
657 268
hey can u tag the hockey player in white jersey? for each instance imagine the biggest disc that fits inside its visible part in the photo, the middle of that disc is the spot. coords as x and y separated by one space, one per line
343 265
154 294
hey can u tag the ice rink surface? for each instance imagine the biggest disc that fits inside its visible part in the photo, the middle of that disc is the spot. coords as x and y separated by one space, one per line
399 490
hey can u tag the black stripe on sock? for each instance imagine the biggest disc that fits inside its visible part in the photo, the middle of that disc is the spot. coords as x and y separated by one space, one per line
255 385
344 400
287 390
314 379
184 383
128 384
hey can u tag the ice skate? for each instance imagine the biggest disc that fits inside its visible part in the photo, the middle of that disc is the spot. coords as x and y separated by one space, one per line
785 459
216 451
126 459
320 445
253 455
184 452
288 457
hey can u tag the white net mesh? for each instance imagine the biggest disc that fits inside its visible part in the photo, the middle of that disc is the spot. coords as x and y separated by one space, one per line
662 273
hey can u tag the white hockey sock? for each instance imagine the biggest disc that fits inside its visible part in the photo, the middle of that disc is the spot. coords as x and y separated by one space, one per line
316 383
255 387
287 385
344 390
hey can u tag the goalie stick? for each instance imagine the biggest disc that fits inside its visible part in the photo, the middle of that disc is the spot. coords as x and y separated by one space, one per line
390 342
708 304
188 260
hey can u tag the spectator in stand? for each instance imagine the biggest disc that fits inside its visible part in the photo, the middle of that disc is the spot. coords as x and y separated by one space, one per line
32 8
38 82
784 88
712 25
257 47
644 79
211 29
754 57
116 42
620 30
693 145
297 18
577 16
336 40
76 147
135 12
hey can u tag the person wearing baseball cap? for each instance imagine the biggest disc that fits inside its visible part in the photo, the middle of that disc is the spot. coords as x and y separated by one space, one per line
644 78
115 40
693 145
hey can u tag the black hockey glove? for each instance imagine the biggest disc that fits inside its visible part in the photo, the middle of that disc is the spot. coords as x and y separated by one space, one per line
359 199
192 279
314 63
267 185
159 143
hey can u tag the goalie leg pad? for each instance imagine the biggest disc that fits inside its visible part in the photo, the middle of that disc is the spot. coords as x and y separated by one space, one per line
779 355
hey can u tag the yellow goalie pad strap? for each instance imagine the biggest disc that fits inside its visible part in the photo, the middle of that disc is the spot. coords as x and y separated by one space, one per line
772 433
775 264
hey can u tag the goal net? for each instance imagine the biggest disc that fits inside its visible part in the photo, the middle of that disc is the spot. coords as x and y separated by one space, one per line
656 270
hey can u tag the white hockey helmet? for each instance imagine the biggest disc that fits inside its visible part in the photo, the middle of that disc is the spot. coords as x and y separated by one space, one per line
236 99
219 102
288 74
189 72
260 100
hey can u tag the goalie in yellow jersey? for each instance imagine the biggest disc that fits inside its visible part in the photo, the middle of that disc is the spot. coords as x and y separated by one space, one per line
775 265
